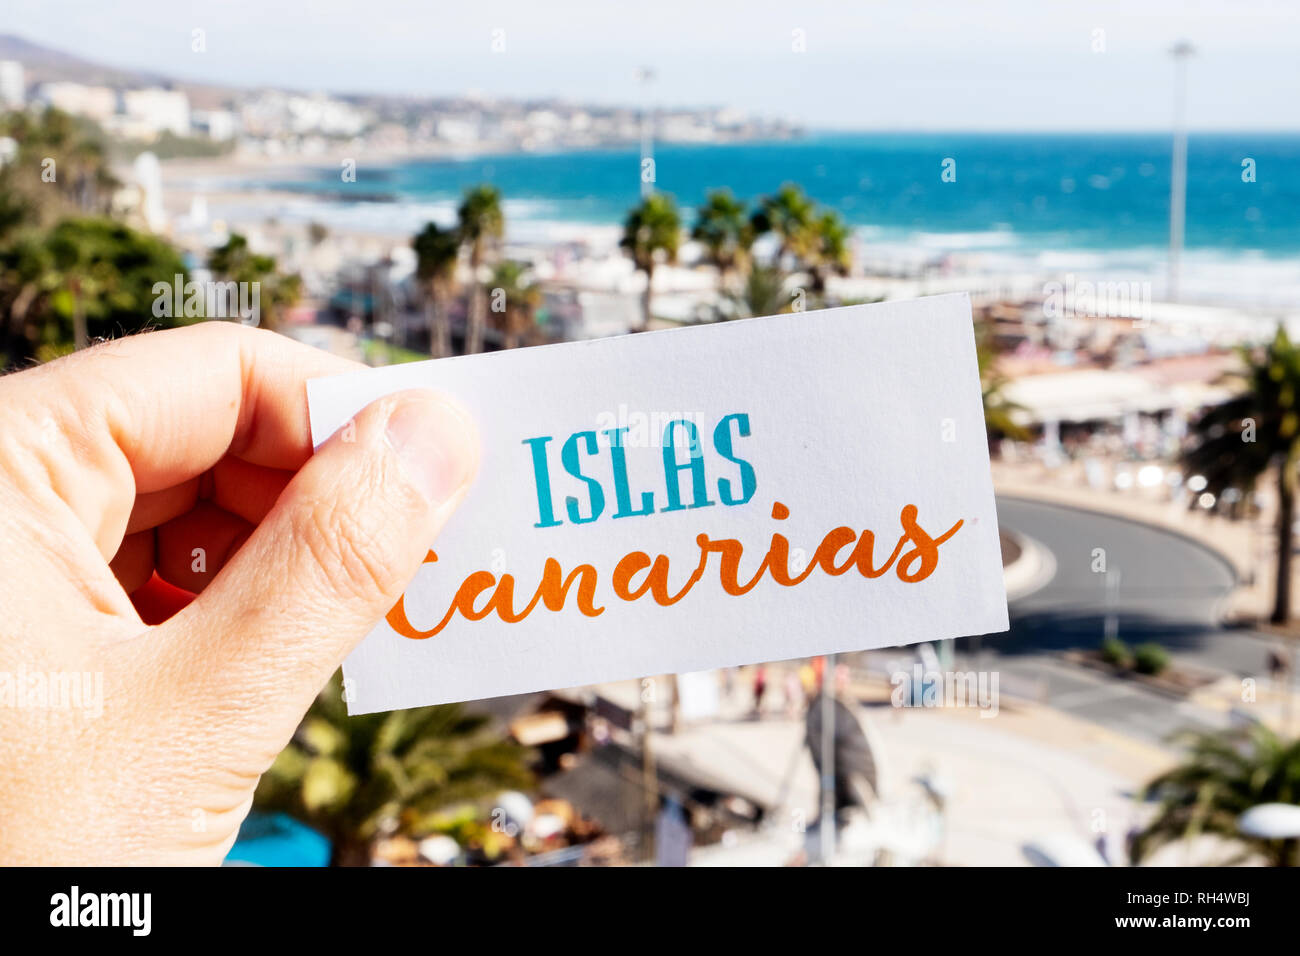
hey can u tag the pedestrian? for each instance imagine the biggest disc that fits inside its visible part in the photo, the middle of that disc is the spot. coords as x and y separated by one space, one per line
760 688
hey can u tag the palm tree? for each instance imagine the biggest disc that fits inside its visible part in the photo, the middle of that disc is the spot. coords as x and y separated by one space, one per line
1223 777
91 179
358 778
522 298
482 224
83 276
26 273
437 252
725 231
235 261
791 215
97 280
999 411
762 293
828 250
83 181
1237 442
651 231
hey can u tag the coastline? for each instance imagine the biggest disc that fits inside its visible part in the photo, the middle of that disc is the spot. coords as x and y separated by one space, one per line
551 206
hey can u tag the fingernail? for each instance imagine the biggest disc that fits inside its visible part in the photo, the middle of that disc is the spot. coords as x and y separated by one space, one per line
436 444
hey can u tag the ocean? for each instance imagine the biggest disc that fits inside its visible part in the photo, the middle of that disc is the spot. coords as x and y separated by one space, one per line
1093 202
1087 191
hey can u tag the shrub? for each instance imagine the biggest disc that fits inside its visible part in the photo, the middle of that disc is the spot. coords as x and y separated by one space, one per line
1150 658
1116 652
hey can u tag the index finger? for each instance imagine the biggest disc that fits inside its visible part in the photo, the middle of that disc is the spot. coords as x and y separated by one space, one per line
151 411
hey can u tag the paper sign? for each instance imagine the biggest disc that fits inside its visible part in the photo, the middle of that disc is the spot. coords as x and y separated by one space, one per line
683 500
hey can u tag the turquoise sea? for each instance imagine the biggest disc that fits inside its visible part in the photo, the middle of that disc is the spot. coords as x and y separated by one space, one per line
1075 191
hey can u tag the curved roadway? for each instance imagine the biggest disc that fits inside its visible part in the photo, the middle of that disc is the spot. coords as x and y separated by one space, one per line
1169 591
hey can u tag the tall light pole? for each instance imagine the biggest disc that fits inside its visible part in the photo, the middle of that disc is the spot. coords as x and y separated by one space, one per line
646 76
1178 173
649 771
826 829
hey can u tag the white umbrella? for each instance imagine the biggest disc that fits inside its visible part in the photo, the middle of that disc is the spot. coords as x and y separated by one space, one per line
1271 821
1061 849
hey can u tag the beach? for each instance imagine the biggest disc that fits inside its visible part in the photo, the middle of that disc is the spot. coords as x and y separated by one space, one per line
1023 213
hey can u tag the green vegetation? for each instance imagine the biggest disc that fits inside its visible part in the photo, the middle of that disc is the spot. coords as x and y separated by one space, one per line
792 217
437 251
1150 658
66 273
830 251
1222 777
379 352
515 300
651 233
69 273
80 280
167 145
999 411
519 301
763 293
723 227
1116 652
1236 443
236 262
60 169
356 779
482 224
809 239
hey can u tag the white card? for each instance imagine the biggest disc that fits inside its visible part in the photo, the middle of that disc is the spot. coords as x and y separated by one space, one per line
846 421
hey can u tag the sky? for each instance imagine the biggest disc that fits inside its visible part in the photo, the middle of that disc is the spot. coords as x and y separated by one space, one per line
881 64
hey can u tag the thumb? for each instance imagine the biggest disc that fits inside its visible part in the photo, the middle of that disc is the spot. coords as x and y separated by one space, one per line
332 557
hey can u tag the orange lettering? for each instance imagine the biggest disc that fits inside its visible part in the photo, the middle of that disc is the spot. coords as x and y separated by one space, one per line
731 551
399 622
926 550
916 564
555 593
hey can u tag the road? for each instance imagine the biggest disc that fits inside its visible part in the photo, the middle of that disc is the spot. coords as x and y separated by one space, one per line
1169 589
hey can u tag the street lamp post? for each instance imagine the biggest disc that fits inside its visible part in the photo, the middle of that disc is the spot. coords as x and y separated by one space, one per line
826 831
1178 172
646 76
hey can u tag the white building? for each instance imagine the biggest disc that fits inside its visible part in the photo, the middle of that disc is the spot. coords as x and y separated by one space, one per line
458 131
157 110
273 113
147 174
323 114
13 84
218 124
96 102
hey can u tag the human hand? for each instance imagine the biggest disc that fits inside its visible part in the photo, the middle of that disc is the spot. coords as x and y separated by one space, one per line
187 453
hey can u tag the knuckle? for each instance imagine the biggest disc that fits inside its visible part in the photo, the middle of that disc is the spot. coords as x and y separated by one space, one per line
352 558
229 336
